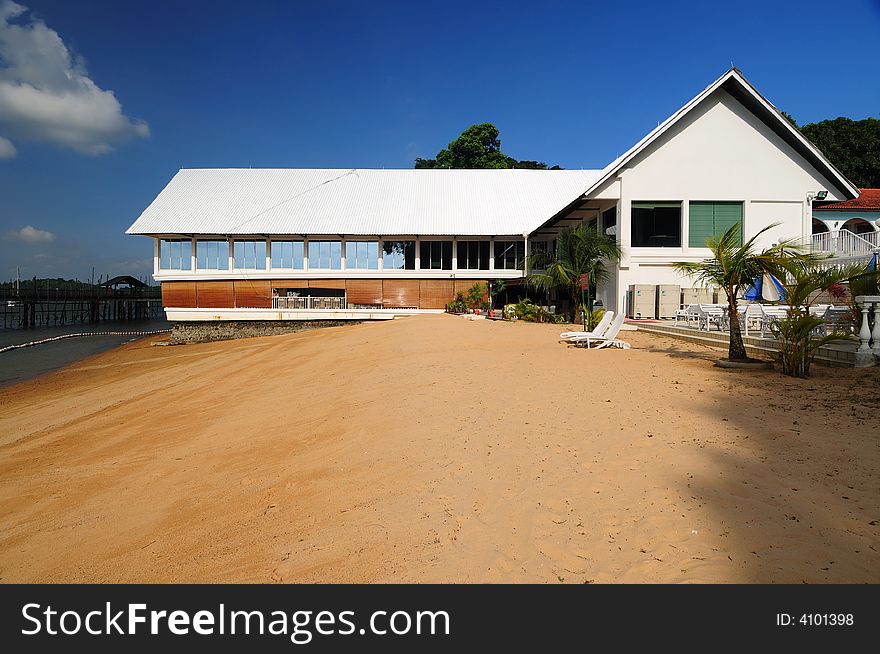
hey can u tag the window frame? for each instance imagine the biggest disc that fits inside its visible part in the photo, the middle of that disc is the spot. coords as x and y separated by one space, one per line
654 205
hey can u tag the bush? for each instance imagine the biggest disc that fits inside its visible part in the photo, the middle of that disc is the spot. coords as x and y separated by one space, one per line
458 305
797 343
531 312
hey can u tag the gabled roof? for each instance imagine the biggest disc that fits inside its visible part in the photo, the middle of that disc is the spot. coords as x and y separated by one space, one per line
868 200
736 84
360 201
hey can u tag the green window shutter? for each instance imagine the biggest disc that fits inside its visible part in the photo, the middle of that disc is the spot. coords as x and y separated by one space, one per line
701 223
708 219
727 214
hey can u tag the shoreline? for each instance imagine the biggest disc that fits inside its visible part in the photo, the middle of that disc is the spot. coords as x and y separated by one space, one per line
436 449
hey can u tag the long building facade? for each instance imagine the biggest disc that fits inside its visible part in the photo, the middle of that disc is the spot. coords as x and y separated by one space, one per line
249 244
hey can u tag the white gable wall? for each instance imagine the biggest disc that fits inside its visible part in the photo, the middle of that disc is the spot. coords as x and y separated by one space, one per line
718 151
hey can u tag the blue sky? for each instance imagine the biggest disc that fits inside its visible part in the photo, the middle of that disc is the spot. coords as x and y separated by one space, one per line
363 84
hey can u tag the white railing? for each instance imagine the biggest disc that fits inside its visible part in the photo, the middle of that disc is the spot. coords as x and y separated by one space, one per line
869 338
308 303
844 243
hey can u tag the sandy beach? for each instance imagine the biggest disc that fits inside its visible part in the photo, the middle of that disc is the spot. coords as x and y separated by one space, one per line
435 449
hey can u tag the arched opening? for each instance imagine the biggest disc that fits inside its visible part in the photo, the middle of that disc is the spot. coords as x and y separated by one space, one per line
858 226
819 226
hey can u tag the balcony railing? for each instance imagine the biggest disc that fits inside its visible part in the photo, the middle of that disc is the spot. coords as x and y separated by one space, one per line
843 243
294 303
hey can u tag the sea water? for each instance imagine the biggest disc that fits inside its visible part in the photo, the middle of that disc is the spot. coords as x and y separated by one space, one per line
29 362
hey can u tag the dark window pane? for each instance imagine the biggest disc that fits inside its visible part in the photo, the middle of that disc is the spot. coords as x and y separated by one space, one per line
656 224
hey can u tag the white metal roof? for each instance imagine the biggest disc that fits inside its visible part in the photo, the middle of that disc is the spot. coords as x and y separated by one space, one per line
359 201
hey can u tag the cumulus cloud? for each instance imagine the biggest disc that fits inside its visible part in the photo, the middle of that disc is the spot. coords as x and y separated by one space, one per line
7 150
47 95
30 234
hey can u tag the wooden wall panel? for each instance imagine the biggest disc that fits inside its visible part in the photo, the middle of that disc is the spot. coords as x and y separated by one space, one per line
400 292
217 295
327 283
255 293
363 291
463 285
288 283
435 293
178 294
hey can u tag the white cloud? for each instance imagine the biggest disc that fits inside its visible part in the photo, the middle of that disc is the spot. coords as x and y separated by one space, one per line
7 150
30 234
47 95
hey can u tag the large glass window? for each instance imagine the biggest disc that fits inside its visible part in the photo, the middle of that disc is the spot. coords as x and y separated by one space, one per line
249 255
436 255
212 255
325 255
363 255
399 255
473 255
175 254
709 219
509 255
288 254
656 224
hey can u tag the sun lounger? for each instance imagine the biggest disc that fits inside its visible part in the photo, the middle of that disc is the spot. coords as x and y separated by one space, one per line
608 340
599 330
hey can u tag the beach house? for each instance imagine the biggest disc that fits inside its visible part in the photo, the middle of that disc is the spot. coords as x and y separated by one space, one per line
302 244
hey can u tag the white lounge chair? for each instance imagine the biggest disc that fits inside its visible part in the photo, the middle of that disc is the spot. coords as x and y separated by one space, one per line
609 339
599 330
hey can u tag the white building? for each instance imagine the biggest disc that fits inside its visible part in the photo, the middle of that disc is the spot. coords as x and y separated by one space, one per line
228 241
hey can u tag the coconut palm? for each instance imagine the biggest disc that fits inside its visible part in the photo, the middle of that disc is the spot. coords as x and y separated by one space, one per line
798 336
580 250
734 267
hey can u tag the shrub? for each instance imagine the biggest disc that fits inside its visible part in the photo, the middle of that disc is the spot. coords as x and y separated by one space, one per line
531 312
458 305
798 344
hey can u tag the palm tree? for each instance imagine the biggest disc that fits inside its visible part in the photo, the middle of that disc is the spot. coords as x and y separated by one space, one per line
736 266
580 250
797 333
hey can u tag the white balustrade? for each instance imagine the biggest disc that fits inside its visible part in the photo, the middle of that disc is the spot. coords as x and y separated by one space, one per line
869 338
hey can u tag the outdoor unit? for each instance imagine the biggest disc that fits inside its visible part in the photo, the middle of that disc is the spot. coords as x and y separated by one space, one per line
696 296
668 300
641 300
720 296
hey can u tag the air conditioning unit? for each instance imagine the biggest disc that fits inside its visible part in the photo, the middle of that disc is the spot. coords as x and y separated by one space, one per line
668 300
696 296
641 300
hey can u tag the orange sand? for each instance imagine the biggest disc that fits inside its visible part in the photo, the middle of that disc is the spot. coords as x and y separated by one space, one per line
434 449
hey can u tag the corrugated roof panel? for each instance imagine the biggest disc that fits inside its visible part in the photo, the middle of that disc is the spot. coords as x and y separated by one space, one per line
359 201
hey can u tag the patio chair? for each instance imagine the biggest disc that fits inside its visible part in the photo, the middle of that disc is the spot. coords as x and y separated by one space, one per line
608 340
599 330
710 314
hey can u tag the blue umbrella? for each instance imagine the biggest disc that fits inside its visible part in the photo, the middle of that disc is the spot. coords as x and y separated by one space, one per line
873 264
775 291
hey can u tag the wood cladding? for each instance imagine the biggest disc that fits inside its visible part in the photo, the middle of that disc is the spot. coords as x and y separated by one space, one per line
215 295
400 292
255 293
463 285
435 293
363 291
419 293
178 294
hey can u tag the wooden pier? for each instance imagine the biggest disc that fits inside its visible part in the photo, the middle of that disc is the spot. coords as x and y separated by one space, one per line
33 306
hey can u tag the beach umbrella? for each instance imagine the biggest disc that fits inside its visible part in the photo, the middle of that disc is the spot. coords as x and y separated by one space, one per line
772 289
765 287
873 263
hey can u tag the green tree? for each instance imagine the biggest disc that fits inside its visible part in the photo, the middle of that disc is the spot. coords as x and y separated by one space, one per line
734 267
797 335
851 145
479 146
580 250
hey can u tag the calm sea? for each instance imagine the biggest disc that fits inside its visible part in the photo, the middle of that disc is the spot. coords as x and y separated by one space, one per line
30 362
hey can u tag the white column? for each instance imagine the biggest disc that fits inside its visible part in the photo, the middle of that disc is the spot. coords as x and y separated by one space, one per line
156 256
875 334
491 254
268 254
455 254
192 244
305 253
379 263
418 253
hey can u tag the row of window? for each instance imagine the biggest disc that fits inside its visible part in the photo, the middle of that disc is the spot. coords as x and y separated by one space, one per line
175 254
658 224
